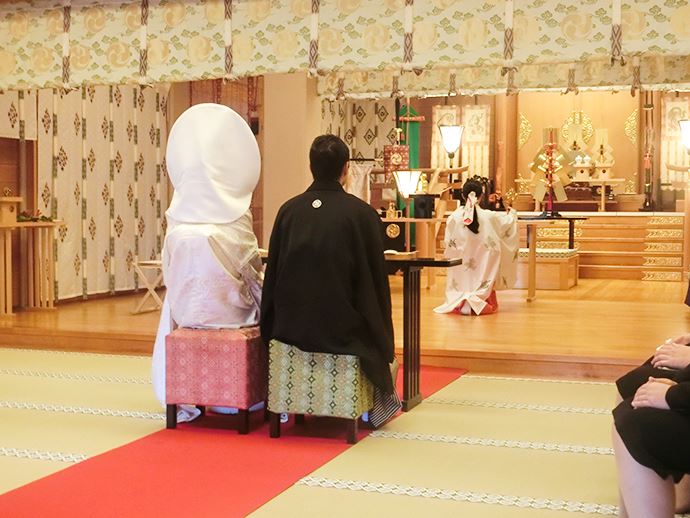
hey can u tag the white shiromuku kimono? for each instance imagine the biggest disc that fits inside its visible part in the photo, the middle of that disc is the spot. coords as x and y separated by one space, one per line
211 263
489 260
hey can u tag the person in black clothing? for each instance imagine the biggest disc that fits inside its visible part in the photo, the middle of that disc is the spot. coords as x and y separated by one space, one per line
651 425
326 284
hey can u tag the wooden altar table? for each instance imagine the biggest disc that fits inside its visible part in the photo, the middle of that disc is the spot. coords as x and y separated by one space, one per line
40 286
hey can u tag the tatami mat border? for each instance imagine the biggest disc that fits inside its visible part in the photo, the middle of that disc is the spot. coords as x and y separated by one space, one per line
75 377
541 380
55 456
74 353
108 412
498 443
461 496
518 406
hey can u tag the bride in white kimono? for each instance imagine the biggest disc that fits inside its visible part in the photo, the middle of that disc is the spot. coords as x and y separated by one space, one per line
487 242
211 262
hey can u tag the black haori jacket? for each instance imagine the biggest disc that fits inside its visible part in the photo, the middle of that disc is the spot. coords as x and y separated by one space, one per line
326 286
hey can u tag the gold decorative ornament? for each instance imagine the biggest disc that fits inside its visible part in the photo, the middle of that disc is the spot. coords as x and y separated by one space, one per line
557 232
663 247
578 118
524 132
552 244
663 261
665 220
665 233
393 230
662 276
631 127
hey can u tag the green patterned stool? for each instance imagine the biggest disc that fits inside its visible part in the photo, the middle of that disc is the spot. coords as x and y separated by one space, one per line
316 384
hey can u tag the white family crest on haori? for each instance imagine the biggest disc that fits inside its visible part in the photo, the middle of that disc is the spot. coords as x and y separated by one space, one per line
211 261
489 258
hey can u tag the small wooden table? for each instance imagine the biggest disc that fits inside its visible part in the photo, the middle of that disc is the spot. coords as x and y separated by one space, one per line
40 286
411 269
532 246
425 239
603 182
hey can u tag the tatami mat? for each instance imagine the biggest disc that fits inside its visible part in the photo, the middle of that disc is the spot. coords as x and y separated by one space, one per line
60 408
479 447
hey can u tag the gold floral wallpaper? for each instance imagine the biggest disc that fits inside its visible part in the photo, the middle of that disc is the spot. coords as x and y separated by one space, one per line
483 45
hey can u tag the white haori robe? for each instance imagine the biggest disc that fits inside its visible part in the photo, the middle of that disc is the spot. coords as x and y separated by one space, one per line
489 258
213 275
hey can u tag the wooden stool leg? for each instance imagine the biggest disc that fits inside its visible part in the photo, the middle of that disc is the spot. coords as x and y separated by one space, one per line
267 414
171 416
201 409
299 419
274 425
243 428
352 431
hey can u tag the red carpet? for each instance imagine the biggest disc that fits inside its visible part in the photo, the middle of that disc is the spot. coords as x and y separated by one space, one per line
200 470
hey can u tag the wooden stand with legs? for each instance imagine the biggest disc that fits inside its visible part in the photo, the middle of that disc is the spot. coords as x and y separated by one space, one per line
40 287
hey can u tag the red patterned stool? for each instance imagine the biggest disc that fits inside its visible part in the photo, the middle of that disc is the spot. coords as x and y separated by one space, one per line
215 367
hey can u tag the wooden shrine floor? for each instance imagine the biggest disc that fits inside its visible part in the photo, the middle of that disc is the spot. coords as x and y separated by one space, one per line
598 329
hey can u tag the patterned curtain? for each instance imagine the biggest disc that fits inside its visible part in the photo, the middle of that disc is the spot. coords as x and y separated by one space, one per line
64 43
17 108
101 172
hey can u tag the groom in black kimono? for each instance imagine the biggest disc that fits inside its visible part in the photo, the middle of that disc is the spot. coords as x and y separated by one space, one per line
326 285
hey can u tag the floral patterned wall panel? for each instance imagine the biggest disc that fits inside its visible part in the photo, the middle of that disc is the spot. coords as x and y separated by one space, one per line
68 192
18 109
126 234
102 174
45 184
104 42
148 193
96 190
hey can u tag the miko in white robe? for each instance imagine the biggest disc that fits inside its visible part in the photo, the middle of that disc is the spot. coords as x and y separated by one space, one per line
211 263
489 257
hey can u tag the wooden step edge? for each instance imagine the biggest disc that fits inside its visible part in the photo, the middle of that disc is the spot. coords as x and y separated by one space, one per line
678 269
625 253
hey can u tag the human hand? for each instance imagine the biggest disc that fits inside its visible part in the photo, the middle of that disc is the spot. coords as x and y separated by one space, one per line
680 339
671 356
653 394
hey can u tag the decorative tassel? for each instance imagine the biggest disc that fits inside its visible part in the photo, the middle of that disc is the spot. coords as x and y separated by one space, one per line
143 41
409 27
340 93
509 67
66 25
572 87
314 41
395 91
637 81
227 38
617 34
452 84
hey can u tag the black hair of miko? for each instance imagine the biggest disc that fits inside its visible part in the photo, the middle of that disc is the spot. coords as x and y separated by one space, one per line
478 189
